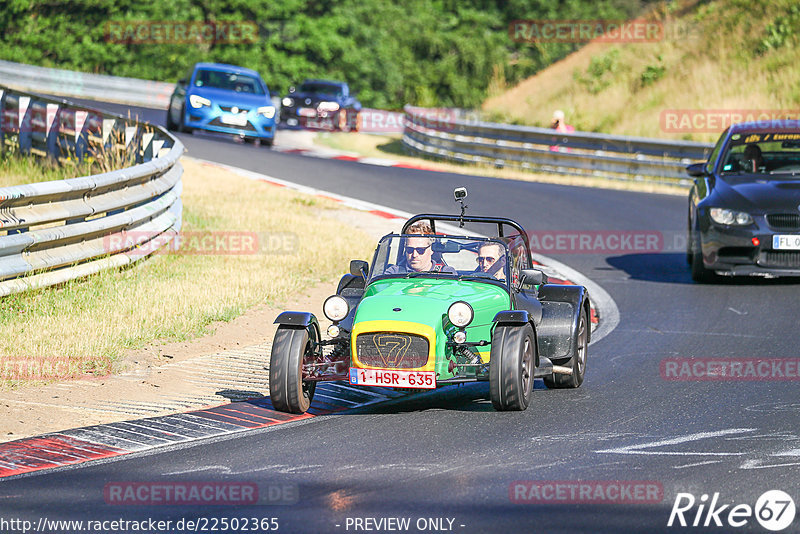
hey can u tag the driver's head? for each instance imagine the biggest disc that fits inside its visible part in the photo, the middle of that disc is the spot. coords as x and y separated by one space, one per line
419 250
488 255
752 155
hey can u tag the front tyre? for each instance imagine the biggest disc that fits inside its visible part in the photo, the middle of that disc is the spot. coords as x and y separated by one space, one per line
287 390
578 360
699 272
511 367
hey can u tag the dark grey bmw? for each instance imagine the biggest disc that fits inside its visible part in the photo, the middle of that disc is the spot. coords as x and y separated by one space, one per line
744 206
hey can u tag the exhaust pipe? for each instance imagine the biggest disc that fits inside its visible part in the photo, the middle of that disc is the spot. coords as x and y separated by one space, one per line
561 370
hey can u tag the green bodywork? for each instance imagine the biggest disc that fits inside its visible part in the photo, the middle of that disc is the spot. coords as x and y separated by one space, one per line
425 301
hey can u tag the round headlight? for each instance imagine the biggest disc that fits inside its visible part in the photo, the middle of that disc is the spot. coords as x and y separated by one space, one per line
460 313
287 101
335 308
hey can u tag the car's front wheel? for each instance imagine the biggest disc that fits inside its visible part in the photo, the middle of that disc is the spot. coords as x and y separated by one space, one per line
578 360
699 272
511 367
171 126
287 390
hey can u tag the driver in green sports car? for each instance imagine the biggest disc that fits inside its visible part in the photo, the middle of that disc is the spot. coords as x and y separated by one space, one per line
418 253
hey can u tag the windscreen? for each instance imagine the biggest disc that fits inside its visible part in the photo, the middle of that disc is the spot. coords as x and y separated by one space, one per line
228 81
322 88
423 255
764 154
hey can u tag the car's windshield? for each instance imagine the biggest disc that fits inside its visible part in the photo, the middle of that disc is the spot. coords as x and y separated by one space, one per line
772 153
322 88
229 81
415 255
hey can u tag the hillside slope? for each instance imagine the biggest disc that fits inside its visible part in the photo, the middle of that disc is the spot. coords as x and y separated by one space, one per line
715 55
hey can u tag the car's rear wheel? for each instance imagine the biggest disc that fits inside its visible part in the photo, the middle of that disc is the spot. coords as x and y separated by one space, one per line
287 390
511 367
578 360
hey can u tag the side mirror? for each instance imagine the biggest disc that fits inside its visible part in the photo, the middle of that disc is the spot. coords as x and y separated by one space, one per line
532 276
696 169
183 81
359 268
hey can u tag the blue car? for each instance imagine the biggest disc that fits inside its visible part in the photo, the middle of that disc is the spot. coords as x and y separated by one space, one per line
225 99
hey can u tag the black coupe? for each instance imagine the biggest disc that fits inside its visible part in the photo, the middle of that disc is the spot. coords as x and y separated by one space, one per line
744 206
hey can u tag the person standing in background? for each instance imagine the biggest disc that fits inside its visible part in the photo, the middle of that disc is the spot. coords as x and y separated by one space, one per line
559 124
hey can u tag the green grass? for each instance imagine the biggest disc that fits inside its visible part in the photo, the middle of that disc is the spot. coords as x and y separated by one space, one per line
21 170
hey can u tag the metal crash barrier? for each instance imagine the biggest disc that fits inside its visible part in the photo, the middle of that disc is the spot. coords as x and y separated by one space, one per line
53 232
459 136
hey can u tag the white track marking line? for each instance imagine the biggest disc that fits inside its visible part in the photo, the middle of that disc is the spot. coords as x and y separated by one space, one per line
696 464
636 449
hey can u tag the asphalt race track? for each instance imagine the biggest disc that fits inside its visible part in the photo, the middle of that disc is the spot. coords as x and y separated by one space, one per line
445 460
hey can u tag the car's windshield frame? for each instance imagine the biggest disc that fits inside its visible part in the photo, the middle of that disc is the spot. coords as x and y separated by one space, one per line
387 261
779 152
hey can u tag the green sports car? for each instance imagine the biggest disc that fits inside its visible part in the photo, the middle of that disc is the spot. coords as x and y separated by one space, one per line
434 309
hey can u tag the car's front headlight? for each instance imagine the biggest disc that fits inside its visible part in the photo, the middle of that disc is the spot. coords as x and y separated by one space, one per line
328 106
267 111
730 217
460 313
197 101
288 102
335 308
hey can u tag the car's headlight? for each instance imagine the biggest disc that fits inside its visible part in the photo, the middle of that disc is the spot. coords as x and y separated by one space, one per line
328 106
198 101
335 308
267 111
288 102
730 217
460 313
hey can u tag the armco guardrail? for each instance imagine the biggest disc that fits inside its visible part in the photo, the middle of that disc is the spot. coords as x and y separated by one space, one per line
52 232
457 137
84 85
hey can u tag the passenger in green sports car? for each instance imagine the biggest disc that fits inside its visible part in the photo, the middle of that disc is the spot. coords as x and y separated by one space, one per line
491 260
418 253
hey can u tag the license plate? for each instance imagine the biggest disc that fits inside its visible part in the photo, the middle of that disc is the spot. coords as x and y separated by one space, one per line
234 120
393 379
307 112
786 242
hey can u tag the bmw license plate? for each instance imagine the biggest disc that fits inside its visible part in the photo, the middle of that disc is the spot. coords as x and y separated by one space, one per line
393 379
235 120
786 242
307 112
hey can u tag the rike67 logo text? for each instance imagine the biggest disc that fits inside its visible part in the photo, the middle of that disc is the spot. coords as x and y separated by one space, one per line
774 510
